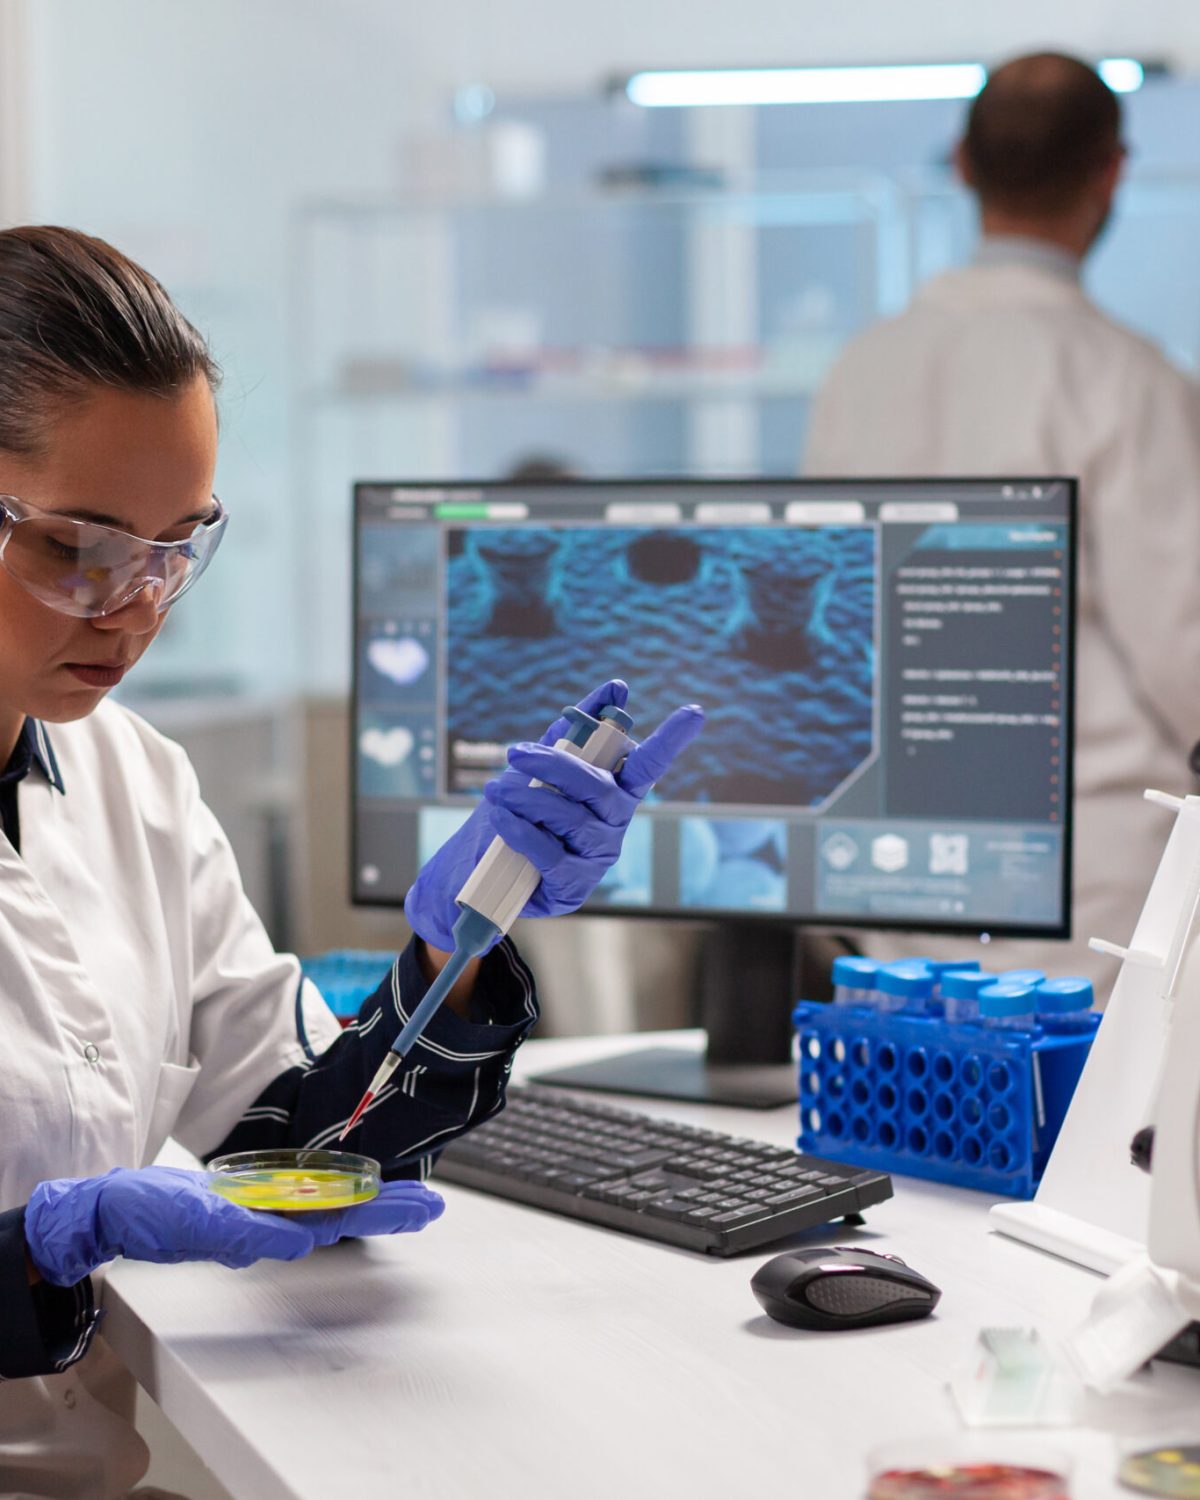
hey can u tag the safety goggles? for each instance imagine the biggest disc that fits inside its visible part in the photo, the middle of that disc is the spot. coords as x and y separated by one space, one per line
83 568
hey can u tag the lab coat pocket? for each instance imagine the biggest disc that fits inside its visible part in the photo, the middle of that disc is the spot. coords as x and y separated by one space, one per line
175 1083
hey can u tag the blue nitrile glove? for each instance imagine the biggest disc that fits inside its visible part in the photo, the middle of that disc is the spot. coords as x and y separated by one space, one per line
400 1208
167 1214
572 834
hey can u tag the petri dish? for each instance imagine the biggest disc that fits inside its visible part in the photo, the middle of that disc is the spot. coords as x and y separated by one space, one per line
294 1182
1171 1469
968 1466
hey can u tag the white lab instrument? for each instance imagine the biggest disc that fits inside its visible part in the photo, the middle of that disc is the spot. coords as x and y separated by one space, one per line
1095 1204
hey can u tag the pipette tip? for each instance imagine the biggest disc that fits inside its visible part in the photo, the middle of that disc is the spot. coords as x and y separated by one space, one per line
357 1115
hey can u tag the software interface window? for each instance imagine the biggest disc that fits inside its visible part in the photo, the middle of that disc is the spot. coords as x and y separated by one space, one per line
884 667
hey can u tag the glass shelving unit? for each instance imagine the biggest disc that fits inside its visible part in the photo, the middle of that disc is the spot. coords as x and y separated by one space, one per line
619 331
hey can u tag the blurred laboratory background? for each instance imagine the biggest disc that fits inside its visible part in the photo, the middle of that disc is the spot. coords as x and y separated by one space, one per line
441 242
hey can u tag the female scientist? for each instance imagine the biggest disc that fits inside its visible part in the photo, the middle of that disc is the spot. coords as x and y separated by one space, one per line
139 994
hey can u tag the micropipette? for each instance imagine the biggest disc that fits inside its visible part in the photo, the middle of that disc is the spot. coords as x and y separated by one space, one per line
494 894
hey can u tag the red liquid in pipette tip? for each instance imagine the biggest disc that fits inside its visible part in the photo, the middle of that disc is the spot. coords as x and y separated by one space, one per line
356 1116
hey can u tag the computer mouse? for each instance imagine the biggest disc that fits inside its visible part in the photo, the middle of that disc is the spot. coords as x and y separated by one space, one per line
841 1287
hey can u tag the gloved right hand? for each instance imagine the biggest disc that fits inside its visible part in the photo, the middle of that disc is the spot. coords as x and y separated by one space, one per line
164 1214
570 828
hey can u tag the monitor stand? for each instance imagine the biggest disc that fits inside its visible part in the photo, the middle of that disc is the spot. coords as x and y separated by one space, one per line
750 978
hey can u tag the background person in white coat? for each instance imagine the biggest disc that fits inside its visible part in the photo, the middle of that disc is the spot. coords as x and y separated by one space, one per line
1006 367
139 994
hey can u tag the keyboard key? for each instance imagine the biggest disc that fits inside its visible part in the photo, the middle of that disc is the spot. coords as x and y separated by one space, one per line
650 1180
603 1192
689 1167
668 1208
643 1159
795 1195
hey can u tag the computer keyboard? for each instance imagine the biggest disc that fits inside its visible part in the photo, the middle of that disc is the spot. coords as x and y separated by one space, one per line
698 1189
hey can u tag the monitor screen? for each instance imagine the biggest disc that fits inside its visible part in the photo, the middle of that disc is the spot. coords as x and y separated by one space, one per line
885 666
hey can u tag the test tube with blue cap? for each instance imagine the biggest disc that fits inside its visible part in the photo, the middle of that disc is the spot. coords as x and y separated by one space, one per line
1008 1006
960 994
904 985
1064 1005
1021 976
940 967
497 889
854 980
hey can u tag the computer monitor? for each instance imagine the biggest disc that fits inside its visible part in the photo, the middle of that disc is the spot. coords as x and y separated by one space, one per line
886 667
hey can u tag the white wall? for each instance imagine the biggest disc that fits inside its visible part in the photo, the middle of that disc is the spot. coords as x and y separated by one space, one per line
567 44
185 133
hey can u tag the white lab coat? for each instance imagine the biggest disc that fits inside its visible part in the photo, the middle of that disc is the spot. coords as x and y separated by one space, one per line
140 997
1003 368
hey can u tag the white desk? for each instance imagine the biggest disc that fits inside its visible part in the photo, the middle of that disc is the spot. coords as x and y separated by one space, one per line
511 1353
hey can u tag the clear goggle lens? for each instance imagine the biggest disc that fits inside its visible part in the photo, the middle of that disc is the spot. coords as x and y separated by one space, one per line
85 569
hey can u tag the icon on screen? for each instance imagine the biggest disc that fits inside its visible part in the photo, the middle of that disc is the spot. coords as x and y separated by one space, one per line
839 851
402 659
889 853
948 854
387 747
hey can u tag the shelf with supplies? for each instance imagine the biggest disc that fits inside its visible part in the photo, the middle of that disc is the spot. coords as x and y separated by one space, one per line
611 297
617 379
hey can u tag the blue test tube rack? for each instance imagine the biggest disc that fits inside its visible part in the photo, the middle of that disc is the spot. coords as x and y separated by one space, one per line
346 976
922 1096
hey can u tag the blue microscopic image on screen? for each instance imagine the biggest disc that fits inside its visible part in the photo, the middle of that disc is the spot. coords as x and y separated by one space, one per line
397 567
737 864
627 883
770 629
434 826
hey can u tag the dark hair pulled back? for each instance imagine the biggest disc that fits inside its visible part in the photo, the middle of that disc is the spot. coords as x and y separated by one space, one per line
76 313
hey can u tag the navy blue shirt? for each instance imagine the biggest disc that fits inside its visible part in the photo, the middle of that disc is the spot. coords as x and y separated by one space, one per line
32 749
454 1077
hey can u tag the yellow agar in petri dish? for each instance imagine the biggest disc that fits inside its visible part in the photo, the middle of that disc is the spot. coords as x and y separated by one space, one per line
1170 1471
290 1182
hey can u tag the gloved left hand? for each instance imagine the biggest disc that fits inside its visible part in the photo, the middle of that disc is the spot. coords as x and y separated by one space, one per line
399 1208
571 828
169 1214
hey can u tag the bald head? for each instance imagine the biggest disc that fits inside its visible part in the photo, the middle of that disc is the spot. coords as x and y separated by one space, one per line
1042 132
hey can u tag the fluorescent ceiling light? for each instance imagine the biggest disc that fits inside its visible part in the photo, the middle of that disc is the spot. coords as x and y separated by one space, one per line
718 86
1124 75
806 85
